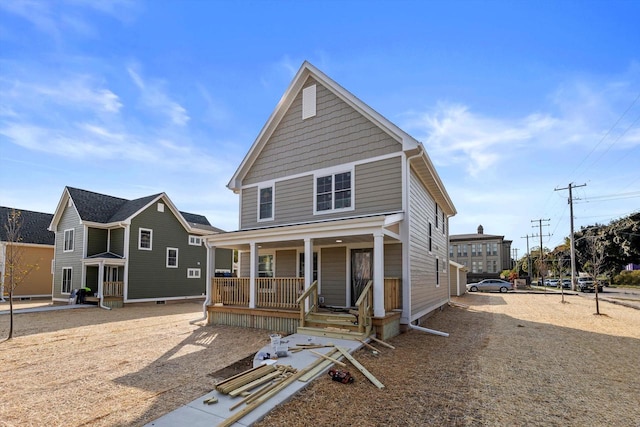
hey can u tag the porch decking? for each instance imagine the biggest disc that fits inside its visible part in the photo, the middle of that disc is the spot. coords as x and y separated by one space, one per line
282 305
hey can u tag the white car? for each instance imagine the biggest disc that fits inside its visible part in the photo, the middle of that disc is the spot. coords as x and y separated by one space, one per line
490 285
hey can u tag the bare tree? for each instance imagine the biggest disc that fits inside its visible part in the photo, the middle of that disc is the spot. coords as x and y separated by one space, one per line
594 262
16 269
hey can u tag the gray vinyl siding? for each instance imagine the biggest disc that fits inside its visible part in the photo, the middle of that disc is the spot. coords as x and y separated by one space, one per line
422 262
117 241
245 265
378 189
286 263
91 278
69 219
393 260
97 240
337 134
224 260
148 275
333 267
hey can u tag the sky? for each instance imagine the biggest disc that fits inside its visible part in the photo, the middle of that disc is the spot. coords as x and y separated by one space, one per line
513 101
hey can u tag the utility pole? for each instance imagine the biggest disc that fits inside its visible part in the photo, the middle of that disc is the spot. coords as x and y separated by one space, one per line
515 250
530 269
540 221
571 238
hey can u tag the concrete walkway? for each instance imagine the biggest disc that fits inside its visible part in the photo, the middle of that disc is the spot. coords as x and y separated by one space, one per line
4 308
197 413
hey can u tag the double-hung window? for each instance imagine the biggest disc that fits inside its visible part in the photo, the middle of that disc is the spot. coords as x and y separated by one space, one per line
66 280
333 192
145 239
172 257
265 203
68 240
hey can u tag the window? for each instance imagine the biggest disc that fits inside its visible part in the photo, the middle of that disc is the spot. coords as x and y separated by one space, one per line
193 273
68 240
315 265
145 239
464 250
443 223
450 251
430 239
492 249
436 215
172 257
195 241
333 192
492 267
459 251
437 272
476 249
66 280
265 265
265 203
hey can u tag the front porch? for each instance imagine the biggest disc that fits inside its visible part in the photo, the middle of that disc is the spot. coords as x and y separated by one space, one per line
282 305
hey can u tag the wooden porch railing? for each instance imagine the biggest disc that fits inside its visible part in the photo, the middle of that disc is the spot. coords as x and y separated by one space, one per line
113 289
230 291
364 305
392 293
312 295
278 292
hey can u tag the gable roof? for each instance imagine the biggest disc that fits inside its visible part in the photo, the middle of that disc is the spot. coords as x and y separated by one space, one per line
34 227
104 209
409 144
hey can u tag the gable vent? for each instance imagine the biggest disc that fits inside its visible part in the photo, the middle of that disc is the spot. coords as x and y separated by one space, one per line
308 102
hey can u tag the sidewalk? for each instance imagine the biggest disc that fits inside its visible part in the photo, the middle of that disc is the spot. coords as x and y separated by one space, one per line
4 308
197 413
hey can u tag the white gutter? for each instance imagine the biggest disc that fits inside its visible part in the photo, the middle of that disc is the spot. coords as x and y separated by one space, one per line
207 299
430 331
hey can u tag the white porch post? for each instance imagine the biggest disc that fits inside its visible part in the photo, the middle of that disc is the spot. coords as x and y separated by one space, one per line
308 267
253 261
211 271
378 274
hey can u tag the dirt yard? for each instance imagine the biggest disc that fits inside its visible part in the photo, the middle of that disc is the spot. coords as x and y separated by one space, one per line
510 359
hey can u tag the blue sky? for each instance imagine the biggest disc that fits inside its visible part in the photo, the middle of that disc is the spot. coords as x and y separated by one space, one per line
511 99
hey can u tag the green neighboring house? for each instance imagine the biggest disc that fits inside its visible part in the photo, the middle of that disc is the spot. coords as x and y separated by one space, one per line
130 250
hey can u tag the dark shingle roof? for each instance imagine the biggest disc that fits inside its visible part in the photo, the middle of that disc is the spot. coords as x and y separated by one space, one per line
34 227
96 207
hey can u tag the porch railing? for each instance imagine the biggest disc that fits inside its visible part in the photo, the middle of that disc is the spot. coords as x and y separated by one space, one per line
113 289
278 292
310 294
364 305
230 291
392 293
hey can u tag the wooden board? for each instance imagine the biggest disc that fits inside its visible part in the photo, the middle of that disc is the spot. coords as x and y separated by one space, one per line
361 368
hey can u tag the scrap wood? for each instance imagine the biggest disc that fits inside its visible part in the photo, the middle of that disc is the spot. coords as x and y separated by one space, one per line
369 345
227 386
361 368
386 344
260 400
332 329
256 394
317 367
254 384
324 356
457 304
307 347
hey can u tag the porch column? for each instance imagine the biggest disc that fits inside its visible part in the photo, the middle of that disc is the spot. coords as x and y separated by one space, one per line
253 268
378 274
101 280
308 267
211 272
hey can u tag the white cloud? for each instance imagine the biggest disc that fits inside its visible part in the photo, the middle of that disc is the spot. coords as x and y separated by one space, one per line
154 97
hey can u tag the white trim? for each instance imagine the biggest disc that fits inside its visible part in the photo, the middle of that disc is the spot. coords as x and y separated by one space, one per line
167 258
140 230
64 240
160 207
62 292
264 186
195 240
196 273
333 172
429 309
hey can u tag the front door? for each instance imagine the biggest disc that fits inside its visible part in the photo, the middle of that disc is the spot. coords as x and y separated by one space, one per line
361 271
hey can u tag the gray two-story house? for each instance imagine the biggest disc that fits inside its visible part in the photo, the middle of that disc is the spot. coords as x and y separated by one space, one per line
130 250
341 212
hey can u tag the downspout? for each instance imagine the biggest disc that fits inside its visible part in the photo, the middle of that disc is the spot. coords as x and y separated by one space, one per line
101 287
429 331
207 299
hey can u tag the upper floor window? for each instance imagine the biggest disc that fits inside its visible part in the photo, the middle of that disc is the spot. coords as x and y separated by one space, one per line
333 192
476 249
193 273
436 216
464 250
145 239
195 240
492 249
437 272
172 257
430 239
68 240
443 223
450 251
265 203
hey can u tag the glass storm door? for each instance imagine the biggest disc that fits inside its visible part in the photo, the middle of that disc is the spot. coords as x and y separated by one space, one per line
361 271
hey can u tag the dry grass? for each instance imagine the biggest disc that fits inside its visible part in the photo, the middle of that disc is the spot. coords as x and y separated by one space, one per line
112 368
514 359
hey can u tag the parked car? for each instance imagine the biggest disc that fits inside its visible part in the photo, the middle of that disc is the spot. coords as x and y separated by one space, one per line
490 285
551 282
585 284
566 284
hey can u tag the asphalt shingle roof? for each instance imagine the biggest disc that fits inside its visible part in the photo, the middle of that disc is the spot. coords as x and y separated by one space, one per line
34 226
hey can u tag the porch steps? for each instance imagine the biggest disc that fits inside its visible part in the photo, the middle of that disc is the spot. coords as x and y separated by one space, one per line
322 332
334 325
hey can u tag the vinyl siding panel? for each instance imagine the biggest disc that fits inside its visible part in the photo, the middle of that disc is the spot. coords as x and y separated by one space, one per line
377 189
148 275
422 262
245 265
337 134
117 241
333 275
68 220
393 260
224 260
286 263
97 241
